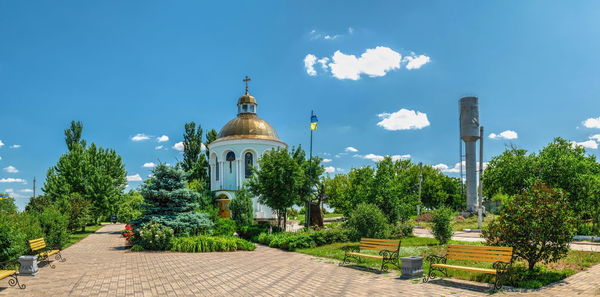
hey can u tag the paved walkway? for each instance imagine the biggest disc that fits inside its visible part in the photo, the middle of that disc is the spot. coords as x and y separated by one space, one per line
476 236
99 265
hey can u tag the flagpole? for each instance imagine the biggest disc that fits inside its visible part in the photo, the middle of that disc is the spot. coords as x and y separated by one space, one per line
310 168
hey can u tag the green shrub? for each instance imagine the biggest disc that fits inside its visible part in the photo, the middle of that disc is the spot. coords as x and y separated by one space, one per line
401 230
12 240
538 224
137 248
242 211
367 220
54 224
224 227
203 244
441 228
306 239
194 223
154 236
251 232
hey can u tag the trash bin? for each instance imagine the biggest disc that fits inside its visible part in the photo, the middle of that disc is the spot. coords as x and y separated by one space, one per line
28 265
412 267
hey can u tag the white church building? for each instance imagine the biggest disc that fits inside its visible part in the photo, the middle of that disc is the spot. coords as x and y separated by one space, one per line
239 145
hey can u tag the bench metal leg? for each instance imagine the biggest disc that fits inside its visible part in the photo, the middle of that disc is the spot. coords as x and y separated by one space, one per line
59 257
14 281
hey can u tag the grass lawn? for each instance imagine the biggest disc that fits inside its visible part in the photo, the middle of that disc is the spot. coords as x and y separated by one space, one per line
77 236
545 274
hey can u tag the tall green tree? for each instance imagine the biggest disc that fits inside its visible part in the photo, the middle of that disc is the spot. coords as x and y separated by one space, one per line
73 135
194 162
211 136
242 211
170 203
277 182
95 173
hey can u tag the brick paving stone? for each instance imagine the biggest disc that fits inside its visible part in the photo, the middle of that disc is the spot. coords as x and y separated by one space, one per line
100 266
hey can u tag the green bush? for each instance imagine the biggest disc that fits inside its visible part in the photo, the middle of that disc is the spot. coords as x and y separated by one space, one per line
54 224
137 248
224 227
306 239
242 211
203 244
538 224
251 232
401 230
154 236
441 227
12 240
367 220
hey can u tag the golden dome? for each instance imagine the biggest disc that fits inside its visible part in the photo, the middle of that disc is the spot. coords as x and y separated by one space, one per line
247 99
245 126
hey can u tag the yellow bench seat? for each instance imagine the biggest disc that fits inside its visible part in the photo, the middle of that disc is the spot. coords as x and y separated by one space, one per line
366 255
6 273
472 269
47 253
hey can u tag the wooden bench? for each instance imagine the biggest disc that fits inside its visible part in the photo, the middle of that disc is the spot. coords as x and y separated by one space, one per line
14 280
388 249
500 257
43 252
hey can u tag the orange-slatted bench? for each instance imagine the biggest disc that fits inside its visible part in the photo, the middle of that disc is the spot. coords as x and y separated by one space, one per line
388 249
501 258
43 252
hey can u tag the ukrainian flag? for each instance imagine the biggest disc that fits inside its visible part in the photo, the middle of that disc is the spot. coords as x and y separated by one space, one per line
313 122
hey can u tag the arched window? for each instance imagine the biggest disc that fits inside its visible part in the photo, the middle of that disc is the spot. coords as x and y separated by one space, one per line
248 161
230 157
216 168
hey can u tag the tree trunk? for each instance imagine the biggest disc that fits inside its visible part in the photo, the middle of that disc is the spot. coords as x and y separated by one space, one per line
83 228
284 220
531 264
316 215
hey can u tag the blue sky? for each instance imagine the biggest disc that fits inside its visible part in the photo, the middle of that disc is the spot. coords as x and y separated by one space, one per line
146 67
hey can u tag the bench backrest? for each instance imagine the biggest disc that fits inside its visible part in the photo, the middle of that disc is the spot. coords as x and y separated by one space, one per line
379 244
37 244
479 253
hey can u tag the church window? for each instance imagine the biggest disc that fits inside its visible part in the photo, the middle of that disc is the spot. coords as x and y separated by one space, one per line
230 157
248 160
245 108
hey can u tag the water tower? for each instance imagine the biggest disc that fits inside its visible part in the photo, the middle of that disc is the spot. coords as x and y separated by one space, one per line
470 133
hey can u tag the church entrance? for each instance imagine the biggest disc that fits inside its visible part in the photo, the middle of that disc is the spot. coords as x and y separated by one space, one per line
223 206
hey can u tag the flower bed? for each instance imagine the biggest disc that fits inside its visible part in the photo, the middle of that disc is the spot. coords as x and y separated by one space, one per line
203 244
306 239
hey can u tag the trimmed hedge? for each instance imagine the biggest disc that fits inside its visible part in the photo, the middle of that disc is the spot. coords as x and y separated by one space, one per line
203 244
307 239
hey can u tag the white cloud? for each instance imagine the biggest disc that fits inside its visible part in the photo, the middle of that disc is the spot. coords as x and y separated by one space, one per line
1 143
162 138
149 165
373 62
331 37
445 168
403 119
589 123
159 147
15 146
12 180
178 146
350 30
330 169
351 149
324 63
26 191
590 144
378 158
11 169
415 62
134 178
508 134
326 160
140 137
595 137
309 64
